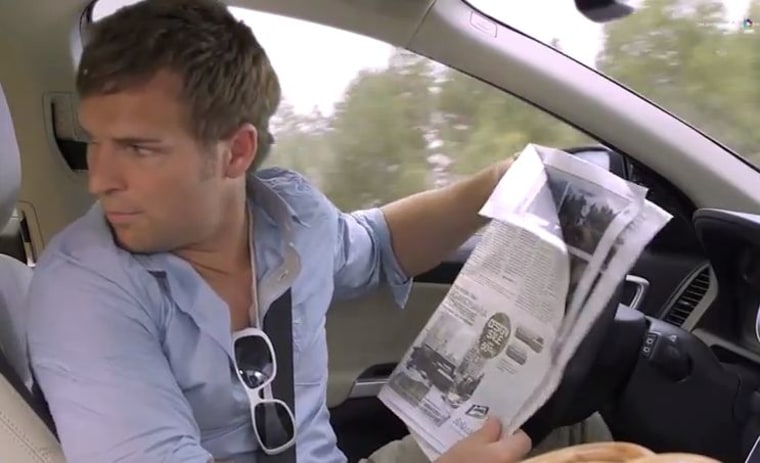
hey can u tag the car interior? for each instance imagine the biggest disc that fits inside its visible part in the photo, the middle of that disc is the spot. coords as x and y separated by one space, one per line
685 356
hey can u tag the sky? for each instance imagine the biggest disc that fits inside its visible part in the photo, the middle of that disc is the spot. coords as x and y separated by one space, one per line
316 68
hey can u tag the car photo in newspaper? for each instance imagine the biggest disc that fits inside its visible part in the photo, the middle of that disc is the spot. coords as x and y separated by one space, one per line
500 339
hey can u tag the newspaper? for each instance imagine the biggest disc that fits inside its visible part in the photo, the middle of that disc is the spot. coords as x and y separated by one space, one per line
563 235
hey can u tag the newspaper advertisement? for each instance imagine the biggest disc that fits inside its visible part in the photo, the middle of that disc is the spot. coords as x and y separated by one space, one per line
564 233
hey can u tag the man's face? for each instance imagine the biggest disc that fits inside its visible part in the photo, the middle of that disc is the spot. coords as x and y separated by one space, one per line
160 190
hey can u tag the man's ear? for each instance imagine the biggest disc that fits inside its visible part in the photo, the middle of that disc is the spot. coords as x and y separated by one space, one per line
242 151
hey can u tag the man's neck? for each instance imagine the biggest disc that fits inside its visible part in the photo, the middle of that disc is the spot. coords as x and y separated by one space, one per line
226 251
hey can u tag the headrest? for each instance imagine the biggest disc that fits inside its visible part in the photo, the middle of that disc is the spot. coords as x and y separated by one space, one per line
10 163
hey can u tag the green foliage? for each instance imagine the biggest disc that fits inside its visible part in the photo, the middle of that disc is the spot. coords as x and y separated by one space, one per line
415 124
687 57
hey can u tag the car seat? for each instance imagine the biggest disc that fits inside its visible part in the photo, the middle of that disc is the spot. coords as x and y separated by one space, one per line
25 433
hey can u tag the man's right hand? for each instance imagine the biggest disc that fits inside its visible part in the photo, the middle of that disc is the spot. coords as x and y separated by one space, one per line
486 446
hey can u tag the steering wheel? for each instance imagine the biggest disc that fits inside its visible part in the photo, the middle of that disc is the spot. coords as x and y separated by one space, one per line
581 393
657 385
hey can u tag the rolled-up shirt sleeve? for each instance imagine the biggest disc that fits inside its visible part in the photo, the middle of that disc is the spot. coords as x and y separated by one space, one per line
96 354
364 257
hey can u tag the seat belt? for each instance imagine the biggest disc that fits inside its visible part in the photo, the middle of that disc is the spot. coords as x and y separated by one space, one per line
278 325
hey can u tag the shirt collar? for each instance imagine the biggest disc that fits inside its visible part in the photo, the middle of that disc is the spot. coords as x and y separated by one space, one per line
267 200
277 260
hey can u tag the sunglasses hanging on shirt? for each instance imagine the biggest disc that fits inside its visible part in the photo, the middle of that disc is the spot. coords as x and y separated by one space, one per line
256 366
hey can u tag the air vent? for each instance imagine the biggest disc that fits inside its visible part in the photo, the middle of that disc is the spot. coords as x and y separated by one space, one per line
689 299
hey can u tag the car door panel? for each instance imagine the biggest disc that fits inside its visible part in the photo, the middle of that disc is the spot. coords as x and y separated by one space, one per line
372 332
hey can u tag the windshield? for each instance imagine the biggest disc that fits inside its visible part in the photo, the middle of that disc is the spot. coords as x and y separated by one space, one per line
699 59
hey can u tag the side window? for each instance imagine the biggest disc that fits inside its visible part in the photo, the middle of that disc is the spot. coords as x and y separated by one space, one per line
370 124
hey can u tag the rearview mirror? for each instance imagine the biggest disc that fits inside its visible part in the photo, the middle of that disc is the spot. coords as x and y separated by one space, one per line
602 156
602 11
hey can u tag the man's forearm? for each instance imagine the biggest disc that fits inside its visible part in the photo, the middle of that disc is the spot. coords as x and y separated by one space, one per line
428 226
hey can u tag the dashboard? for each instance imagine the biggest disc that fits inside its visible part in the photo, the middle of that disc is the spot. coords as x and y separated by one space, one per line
748 291
732 243
690 307
694 296
695 383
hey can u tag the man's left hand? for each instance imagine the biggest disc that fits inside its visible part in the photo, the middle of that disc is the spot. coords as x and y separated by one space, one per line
486 446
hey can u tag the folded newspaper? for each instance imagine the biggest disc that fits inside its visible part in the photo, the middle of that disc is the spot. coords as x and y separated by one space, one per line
563 234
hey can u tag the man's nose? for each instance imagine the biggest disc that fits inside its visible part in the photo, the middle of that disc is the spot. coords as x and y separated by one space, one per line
104 173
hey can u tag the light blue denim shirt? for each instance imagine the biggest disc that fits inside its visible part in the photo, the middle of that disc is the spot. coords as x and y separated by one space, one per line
134 352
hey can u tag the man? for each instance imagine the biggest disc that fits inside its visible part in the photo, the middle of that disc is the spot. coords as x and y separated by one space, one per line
134 306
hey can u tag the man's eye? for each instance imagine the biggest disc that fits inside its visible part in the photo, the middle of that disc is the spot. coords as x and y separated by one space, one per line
139 150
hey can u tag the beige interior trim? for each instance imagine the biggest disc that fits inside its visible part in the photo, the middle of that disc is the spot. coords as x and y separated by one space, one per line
23 436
